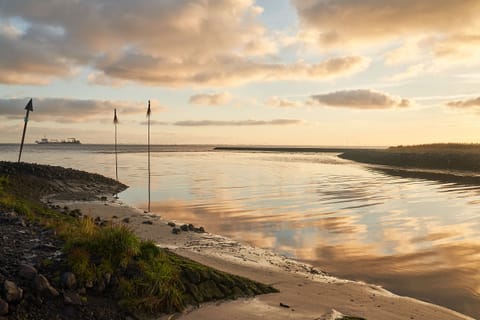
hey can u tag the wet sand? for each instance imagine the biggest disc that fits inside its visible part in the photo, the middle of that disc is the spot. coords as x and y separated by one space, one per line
308 293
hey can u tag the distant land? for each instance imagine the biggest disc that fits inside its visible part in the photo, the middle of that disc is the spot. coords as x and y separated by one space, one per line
438 156
294 149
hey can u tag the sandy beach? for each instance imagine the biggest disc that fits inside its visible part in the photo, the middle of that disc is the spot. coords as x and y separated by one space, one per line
305 292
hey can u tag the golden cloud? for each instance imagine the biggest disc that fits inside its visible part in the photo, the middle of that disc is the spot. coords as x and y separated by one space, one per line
345 21
429 35
469 103
171 43
282 103
215 99
359 99
217 123
69 110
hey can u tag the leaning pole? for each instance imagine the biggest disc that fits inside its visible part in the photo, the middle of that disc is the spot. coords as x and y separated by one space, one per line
28 107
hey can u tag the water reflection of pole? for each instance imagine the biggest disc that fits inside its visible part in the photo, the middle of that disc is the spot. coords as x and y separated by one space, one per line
115 122
28 107
148 148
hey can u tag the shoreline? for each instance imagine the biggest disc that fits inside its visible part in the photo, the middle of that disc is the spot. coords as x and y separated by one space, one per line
308 292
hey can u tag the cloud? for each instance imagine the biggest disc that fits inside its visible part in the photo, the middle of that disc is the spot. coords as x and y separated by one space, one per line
439 34
351 21
204 123
215 99
470 103
225 71
359 99
156 123
69 110
282 103
31 58
167 43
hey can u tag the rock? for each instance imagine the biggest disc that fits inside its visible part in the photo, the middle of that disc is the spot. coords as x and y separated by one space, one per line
184 227
114 217
171 224
42 287
72 298
89 284
176 231
82 291
103 198
199 230
191 227
22 222
284 305
27 272
126 220
108 277
147 222
68 280
11 291
3 307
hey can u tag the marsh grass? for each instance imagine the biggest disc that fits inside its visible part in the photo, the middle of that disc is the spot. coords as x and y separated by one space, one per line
148 279
441 156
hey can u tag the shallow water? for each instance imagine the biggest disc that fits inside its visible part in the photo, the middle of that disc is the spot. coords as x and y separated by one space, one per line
415 237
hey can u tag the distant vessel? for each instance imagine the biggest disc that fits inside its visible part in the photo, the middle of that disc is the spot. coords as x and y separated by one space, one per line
56 141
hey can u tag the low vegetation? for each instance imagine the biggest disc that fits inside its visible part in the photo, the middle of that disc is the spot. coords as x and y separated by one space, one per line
447 156
141 276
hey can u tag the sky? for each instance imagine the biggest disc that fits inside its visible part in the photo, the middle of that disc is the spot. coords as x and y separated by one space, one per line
265 72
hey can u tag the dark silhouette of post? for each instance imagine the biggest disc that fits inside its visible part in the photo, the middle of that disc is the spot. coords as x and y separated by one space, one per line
115 122
148 151
28 107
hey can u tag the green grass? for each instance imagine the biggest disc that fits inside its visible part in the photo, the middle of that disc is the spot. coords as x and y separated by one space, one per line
155 284
149 280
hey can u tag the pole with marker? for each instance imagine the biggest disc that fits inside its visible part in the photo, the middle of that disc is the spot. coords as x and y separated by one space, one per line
28 107
115 122
148 149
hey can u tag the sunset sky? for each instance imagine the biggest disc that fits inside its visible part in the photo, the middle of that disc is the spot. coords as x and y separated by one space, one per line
277 72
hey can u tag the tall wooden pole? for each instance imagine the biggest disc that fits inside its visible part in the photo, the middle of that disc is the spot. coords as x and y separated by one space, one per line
148 149
115 121
28 107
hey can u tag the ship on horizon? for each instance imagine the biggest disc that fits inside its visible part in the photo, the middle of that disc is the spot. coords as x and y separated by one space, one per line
56 141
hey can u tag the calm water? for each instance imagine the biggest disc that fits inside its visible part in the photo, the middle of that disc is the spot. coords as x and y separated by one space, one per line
415 237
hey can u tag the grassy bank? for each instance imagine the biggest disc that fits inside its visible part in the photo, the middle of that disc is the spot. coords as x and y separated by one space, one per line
111 260
448 156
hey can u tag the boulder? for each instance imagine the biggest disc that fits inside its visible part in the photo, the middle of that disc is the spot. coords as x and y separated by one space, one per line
72 298
42 287
11 291
3 307
175 230
68 280
27 272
